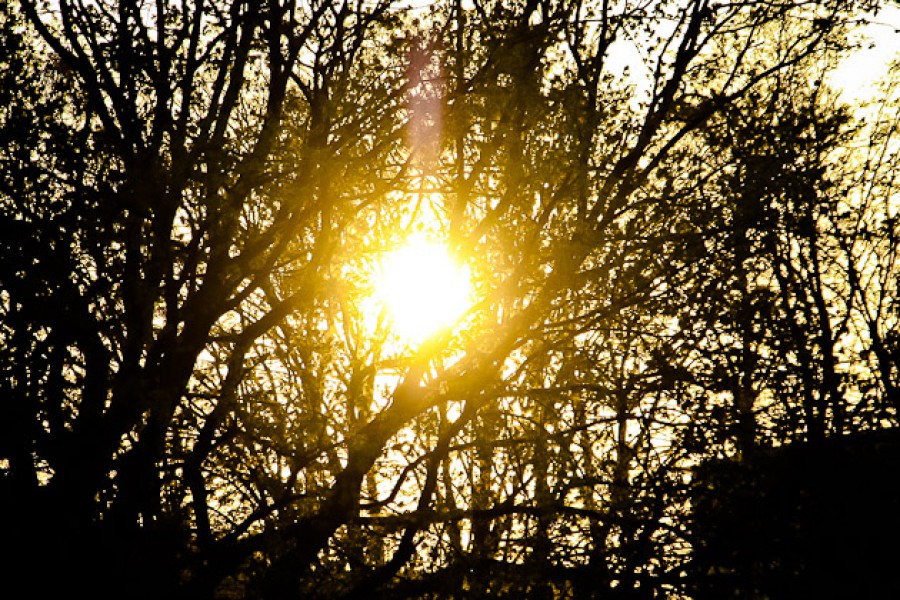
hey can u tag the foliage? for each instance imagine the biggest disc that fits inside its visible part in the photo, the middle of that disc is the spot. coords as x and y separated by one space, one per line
687 259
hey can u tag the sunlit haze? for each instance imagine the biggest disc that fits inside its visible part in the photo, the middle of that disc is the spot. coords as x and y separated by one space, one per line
422 288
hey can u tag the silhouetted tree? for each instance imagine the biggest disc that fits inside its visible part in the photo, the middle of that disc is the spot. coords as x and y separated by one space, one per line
195 399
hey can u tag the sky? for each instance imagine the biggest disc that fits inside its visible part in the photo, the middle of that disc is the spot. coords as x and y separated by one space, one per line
858 75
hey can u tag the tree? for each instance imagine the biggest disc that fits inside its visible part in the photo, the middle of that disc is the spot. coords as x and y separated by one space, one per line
789 334
195 399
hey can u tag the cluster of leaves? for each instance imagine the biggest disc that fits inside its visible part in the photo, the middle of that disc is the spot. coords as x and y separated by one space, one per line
689 259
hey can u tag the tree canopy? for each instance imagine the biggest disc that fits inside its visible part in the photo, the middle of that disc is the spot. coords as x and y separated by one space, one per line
682 246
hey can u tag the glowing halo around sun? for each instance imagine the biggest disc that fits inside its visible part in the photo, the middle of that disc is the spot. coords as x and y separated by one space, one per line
422 288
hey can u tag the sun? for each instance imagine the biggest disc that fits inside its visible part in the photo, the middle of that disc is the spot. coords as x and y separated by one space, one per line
423 289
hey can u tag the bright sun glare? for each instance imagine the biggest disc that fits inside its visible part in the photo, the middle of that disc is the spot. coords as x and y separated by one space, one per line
423 289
